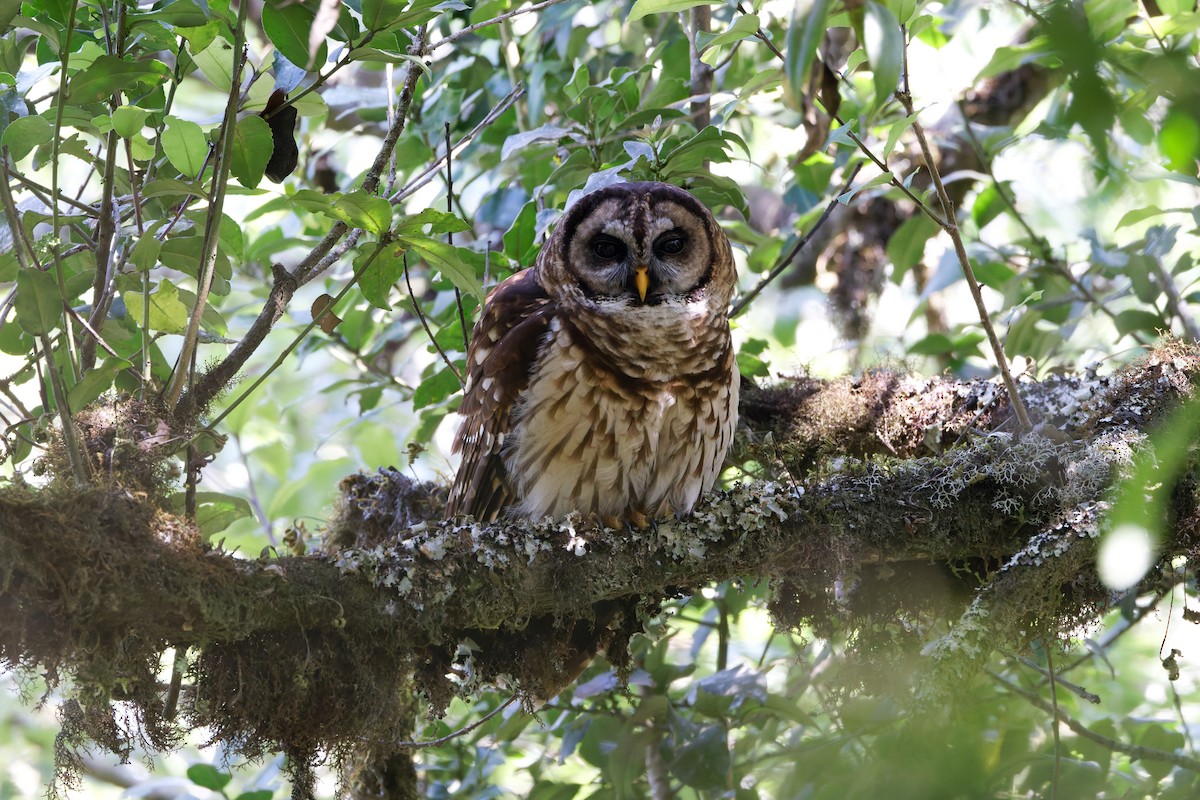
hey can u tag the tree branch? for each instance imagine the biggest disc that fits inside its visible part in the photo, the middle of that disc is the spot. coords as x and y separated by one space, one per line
326 651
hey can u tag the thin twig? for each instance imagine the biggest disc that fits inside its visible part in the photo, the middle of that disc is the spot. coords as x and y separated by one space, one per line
1132 750
784 262
430 171
316 320
462 318
1174 300
79 464
1054 724
951 227
1057 677
460 731
761 35
103 284
424 324
37 188
470 29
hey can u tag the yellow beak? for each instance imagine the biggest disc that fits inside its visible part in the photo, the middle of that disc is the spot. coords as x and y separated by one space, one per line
641 280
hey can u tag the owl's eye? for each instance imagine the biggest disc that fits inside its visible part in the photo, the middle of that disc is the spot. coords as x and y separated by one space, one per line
608 248
671 245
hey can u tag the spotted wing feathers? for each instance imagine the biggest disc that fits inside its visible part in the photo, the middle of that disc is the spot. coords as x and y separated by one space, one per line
503 350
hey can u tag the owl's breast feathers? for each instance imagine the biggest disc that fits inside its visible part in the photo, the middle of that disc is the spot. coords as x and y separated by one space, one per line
570 410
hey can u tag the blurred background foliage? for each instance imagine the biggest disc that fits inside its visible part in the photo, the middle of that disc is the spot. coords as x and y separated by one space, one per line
1068 134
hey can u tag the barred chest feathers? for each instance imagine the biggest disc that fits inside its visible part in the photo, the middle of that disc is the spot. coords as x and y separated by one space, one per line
588 438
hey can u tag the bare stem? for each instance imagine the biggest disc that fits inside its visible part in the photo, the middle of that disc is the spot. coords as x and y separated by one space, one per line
424 324
212 227
430 171
316 320
460 731
79 464
1134 751
950 226
462 318
470 29
783 263
1174 301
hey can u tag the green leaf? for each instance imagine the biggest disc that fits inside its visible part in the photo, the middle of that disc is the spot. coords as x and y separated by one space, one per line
170 187
8 10
145 252
215 62
287 27
895 132
381 15
906 246
260 794
128 121
520 240
884 44
438 222
742 28
884 177
108 74
95 383
185 145
167 312
703 762
436 388
38 303
252 148
1135 319
214 513
360 209
377 280
446 259
903 9
987 206
208 776
25 133
644 8
1139 214
804 34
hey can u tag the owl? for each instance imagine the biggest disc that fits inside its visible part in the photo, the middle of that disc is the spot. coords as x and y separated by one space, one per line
603 380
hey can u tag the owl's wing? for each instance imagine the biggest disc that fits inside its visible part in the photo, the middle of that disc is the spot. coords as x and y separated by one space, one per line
503 349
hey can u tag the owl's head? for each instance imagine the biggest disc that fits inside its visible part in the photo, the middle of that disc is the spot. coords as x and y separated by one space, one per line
640 244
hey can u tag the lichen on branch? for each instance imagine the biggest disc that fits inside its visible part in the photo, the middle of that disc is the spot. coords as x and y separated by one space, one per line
858 484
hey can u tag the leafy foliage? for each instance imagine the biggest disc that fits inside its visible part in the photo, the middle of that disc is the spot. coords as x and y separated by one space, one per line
140 216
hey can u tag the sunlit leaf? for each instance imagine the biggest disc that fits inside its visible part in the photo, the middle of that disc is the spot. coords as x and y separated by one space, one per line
185 146
642 8
168 314
360 209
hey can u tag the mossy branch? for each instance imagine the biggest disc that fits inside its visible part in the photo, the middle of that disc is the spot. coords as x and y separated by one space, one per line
327 651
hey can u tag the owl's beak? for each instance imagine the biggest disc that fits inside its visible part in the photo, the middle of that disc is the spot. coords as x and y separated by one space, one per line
641 280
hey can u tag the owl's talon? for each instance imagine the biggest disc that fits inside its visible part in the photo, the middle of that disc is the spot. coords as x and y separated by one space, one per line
610 521
638 520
